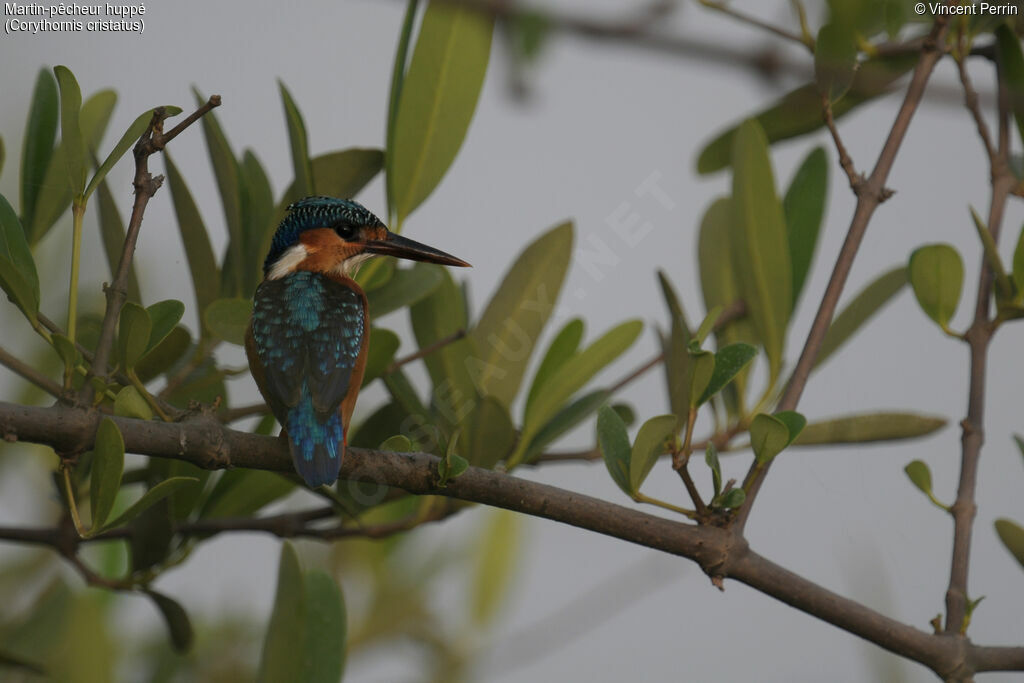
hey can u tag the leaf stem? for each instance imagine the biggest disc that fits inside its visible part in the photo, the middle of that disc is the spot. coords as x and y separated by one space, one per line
641 498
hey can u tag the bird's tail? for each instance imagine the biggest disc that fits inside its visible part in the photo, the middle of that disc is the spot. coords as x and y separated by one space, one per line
317 447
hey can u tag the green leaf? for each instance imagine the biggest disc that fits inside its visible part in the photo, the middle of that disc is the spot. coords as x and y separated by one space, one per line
133 334
729 361
107 467
1004 289
17 267
129 138
437 317
1012 536
437 100
165 316
382 347
283 656
835 60
768 436
160 358
702 370
406 287
228 319
613 441
130 403
37 148
395 96
153 496
868 428
1018 264
497 556
179 627
226 171
299 143
759 244
345 173
652 441
798 112
707 325
566 419
575 374
733 498
70 130
711 459
450 466
868 302
66 349
920 475
488 434
202 264
3 155
937 274
804 206
677 359
399 443
326 629
242 492
1011 62
259 219
112 232
518 311
562 348
794 421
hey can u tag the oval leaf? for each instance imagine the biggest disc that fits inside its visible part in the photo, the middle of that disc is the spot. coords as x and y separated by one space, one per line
562 348
868 302
165 316
406 287
303 184
768 436
497 558
133 334
228 319
438 98
40 133
487 433
1012 536
868 428
759 243
153 496
130 403
936 273
70 129
130 137
729 361
283 657
517 313
613 441
652 441
835 59
18 275
804 206
323 648
107 467
179 626
920 475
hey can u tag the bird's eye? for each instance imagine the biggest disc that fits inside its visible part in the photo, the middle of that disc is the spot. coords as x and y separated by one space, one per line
345 231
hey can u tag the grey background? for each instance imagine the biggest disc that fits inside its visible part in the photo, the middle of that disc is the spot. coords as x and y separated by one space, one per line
603 118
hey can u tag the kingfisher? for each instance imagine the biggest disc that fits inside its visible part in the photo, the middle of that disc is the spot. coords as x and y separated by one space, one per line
307 337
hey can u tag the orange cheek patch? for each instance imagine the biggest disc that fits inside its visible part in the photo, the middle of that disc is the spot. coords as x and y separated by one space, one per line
324 250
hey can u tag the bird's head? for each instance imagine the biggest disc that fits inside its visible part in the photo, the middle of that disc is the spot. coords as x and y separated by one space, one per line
328 235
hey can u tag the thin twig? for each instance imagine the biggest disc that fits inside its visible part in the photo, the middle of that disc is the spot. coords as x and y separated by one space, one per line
978 337
146 185
971 101
30 374
751 20
242 412
425 351
872 193
845 162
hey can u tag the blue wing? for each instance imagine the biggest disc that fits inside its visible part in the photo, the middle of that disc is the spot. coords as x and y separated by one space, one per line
308 332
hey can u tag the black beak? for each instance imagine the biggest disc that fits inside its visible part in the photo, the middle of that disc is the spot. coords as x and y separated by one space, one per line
403 247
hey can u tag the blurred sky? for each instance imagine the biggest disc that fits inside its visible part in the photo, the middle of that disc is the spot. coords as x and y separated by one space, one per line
602 120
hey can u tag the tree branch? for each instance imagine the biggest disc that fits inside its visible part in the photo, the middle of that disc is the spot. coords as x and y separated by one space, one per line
203 441
146 185
30 374
871 193
978 337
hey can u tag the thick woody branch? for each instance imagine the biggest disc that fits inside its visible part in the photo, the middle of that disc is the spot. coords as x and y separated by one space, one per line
203 441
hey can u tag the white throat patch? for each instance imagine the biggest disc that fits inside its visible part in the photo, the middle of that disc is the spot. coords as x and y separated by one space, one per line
288 262
350 266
